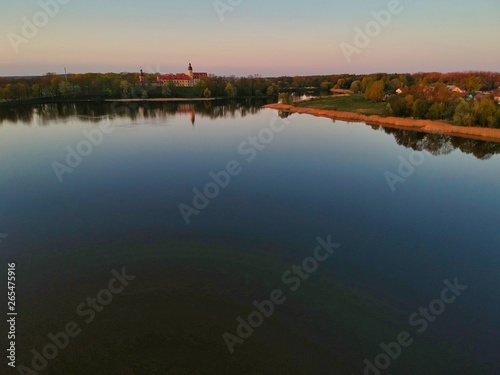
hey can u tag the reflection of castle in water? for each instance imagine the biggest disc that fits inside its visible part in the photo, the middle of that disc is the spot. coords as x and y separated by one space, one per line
151 113
161 114
188 109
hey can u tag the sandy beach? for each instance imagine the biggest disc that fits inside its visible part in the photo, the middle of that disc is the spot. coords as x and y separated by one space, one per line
425 126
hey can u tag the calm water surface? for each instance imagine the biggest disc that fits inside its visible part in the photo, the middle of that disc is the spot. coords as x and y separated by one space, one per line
119 207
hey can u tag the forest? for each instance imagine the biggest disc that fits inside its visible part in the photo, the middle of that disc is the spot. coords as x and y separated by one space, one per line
461 98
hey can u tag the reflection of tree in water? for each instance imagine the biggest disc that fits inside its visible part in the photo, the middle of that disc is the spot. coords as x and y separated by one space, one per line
480 149
439 144
43 114
283 114
160 112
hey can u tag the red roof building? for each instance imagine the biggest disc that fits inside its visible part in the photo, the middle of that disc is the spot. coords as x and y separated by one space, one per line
182 80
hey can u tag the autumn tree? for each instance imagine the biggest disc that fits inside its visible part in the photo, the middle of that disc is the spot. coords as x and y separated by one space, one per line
341 84
366 82
356 86
207 93
230 90
273 90
326 85
473 84
376 91
285 98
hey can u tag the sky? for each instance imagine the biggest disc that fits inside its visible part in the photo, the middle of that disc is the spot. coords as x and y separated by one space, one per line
244 37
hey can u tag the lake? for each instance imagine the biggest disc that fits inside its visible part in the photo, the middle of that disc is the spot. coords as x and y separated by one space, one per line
225 238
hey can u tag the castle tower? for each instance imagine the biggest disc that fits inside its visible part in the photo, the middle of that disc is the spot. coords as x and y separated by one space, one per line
141 78
190 71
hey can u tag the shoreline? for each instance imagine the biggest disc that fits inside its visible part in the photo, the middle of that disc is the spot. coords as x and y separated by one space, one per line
423 126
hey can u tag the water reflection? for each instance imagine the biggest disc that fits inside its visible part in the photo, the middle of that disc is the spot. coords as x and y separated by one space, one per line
44 114
159 113
439 144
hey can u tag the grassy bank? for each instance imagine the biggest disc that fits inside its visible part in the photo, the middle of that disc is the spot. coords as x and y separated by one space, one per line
353 103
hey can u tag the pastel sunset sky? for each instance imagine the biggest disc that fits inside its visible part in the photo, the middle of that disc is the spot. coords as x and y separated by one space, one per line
269 38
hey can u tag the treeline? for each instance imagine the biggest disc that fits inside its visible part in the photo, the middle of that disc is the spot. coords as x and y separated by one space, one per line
126 85
436 96
464 99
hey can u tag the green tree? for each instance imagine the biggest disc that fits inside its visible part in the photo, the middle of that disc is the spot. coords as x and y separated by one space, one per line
401 106
174 90
496 123
125 88
165 91
464 115
199 89
485 111
420 108
68 90
397 104
436 111
207 93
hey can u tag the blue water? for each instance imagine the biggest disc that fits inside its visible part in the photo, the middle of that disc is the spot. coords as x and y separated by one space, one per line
316 178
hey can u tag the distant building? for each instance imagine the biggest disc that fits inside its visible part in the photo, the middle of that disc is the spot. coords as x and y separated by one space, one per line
496 96
182 80
482 95
141 78
456 89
